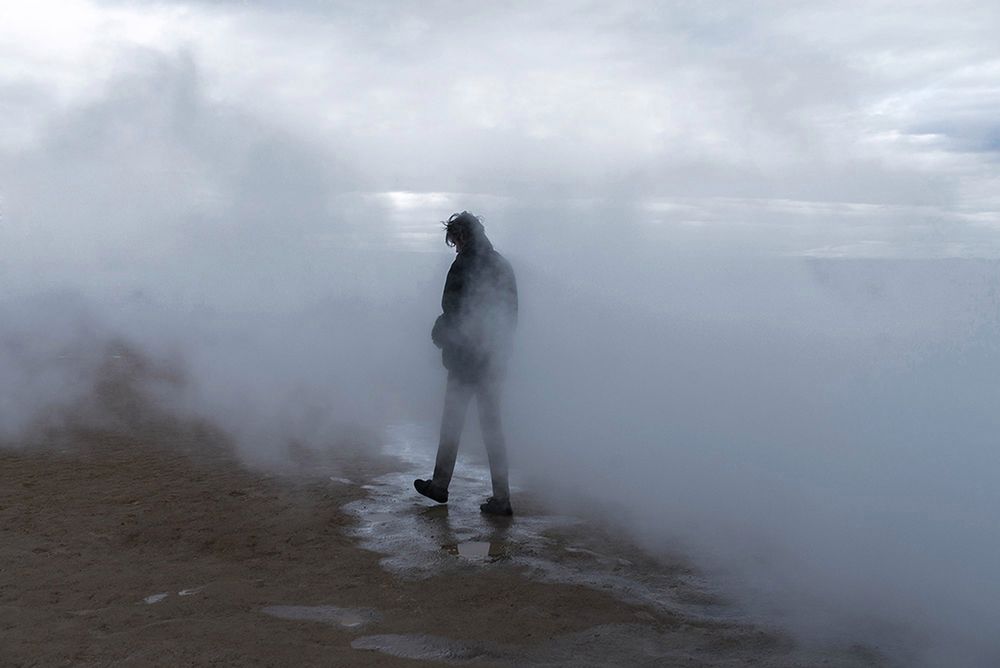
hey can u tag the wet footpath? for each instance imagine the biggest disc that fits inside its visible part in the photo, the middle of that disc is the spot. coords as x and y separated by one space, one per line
676 617
152 542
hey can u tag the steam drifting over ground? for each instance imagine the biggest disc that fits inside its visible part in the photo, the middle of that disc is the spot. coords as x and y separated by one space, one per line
756 255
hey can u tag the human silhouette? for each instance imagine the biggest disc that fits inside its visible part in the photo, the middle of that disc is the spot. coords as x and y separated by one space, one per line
474 333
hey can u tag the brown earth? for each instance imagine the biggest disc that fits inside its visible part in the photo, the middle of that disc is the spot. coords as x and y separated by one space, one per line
96 517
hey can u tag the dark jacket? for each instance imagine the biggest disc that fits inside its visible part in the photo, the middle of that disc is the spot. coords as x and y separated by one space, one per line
479 306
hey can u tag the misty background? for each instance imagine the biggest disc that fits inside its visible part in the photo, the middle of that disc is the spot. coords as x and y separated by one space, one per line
756 248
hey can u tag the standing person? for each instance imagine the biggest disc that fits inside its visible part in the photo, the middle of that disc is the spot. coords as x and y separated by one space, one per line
474 333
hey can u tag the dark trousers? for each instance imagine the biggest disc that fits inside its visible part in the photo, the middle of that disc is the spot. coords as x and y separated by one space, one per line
456 404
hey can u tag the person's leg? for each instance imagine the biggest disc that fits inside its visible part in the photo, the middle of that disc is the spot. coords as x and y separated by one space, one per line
488 398
456 404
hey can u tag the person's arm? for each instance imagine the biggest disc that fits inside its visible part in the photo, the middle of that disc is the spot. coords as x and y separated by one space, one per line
451 299
444 330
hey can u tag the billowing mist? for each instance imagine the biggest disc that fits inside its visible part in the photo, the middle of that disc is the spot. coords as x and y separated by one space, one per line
756 254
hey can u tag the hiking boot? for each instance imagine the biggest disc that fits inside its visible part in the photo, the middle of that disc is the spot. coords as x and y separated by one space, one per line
430 490
494 506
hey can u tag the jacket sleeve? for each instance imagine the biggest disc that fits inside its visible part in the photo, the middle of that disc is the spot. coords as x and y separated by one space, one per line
454 286
445 327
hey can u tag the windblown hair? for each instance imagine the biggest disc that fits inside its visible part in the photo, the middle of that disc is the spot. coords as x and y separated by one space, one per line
463 226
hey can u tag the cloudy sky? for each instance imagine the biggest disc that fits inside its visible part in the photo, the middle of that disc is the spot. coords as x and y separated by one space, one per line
830 129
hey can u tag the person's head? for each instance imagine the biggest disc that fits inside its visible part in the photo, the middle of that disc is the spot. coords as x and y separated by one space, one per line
463 230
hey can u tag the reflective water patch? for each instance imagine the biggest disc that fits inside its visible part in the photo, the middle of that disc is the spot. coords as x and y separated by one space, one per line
431 648
478 550
349 618
191 592
419 539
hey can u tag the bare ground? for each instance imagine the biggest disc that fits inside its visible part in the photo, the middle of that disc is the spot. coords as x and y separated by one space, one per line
97 516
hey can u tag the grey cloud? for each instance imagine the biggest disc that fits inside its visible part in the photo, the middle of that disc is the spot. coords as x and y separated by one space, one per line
658 99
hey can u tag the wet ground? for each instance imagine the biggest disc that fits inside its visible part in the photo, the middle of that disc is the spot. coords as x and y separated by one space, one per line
146 541
419 539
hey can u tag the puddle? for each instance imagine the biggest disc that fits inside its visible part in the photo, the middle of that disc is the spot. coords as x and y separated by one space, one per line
155 598
478 550
343 481
430 648
191 592
349 618
420 539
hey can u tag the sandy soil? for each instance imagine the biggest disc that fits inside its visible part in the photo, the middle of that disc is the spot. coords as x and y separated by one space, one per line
94 518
